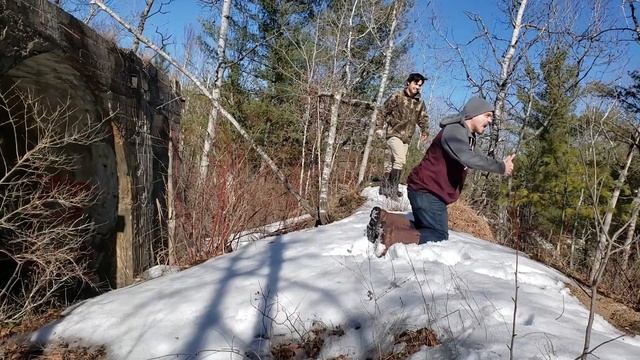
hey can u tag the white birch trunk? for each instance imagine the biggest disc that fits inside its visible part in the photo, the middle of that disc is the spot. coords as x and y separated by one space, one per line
328 156
505 75
325 177
626 249
171 203
307 110
213 114
503 85
383 83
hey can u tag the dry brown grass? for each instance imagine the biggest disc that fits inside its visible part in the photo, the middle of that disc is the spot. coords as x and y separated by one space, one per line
308 347
24 351
464 219
411 341
343 203
621 316
15 344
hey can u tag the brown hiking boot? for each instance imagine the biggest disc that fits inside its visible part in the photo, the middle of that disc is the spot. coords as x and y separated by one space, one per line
392 234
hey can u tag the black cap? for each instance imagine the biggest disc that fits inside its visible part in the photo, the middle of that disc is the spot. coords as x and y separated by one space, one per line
415 77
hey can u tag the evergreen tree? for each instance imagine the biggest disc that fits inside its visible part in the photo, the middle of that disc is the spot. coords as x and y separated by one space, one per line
549 179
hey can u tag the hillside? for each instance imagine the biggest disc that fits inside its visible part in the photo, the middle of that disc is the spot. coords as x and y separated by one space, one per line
325 284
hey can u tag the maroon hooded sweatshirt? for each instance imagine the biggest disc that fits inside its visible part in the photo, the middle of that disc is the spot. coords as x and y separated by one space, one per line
443 169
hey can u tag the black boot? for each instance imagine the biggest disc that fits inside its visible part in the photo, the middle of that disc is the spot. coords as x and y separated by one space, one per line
394 181
374 227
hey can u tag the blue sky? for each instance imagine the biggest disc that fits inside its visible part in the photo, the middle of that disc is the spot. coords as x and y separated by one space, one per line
430 54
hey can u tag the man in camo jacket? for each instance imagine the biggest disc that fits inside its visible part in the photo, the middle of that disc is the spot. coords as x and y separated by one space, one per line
401 113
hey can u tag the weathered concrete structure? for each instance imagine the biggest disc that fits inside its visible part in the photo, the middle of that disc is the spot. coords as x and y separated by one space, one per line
47 51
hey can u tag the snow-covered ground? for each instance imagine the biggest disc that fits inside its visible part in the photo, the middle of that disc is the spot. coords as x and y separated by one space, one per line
278 287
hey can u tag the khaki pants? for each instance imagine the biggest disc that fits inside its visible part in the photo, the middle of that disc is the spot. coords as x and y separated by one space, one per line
397 154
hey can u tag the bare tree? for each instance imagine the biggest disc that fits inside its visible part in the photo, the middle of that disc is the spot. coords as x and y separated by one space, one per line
82 9
603 238
506 71
634 16
310 61
383 84
45 229
215 92
606 246
626 248
337 95
142 20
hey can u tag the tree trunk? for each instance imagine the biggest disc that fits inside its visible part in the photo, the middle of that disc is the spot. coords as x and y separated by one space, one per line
141 23
171 202
383 83
325 177
323 215
634 17
303 202
307 109
626 252
573 231
598 260
504 81
306 117
592 312
496 125
215 92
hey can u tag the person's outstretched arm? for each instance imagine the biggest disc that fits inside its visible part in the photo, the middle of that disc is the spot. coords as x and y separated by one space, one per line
455 141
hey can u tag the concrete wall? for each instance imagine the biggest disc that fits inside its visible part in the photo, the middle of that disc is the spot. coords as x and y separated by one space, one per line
48 52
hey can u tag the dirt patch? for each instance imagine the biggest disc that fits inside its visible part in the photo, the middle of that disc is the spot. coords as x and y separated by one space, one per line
308 347
464 219
621 316
28 325
344 203
410 342
58 352
15 344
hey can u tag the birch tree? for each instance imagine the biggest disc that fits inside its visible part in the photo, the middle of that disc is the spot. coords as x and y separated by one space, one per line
506 72
215 92
142 20
626 248
337 94
379 97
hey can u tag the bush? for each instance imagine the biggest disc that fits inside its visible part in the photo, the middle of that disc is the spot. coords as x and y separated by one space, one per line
44 230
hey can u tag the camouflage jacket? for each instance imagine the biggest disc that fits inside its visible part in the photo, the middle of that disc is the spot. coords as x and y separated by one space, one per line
402 113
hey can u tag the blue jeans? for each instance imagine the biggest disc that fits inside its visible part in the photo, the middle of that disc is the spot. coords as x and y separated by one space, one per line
430 216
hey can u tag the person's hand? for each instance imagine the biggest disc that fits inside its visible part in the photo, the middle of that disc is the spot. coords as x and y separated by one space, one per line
508 164
424 137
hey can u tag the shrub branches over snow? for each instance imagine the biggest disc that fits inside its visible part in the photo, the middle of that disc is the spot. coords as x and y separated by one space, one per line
44 230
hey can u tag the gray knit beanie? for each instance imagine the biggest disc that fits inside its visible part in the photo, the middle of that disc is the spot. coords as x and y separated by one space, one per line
475 106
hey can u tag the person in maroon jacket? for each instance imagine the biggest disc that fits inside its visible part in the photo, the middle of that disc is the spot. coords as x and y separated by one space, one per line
438 179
